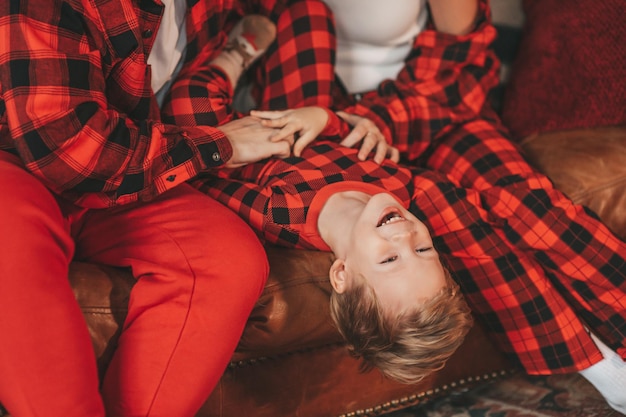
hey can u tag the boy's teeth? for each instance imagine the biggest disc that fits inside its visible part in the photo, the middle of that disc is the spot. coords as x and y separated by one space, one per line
391 218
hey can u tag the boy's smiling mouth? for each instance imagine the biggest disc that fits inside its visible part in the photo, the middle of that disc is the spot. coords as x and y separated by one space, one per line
390 217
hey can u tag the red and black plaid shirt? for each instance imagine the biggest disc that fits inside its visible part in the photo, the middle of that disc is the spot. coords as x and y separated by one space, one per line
76 102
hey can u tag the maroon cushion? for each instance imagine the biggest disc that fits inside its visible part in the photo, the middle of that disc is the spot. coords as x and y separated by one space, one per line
570 70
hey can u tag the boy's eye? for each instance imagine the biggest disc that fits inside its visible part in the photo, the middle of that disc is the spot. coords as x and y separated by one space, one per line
422 250
390 259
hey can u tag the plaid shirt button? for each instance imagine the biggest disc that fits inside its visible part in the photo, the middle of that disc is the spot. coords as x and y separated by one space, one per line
147 33
216 156
171 178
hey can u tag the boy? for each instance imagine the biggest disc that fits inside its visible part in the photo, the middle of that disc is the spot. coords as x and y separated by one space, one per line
531 292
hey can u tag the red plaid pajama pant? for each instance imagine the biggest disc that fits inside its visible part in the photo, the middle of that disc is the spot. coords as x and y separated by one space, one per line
575 266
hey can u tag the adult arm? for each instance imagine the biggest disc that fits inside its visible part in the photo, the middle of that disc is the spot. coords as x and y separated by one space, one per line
455 17
79 111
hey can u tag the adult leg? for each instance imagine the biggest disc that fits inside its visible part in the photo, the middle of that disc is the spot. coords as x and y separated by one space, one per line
199 271
47 360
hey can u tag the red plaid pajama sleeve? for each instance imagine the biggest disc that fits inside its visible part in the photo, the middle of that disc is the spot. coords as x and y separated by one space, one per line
76 103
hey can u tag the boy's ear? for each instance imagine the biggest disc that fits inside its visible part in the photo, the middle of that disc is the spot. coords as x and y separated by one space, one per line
338 276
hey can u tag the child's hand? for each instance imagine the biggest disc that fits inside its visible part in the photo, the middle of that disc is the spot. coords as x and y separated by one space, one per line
367 132
303 125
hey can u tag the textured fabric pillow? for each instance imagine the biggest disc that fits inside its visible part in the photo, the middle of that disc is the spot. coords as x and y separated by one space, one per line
570 70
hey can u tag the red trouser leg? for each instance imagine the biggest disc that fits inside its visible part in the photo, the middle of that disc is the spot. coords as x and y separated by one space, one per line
586 262
199 271
47 363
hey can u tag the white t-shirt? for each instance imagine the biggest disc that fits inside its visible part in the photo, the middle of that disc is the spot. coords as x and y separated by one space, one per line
373 38
165 58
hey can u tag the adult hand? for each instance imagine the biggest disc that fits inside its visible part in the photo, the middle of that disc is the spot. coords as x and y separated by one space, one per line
252 141
372 139
305 122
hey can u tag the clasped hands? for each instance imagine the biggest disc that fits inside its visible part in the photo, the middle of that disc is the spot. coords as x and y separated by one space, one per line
282 133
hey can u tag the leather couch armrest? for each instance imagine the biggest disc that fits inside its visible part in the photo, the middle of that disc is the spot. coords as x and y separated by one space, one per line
589 166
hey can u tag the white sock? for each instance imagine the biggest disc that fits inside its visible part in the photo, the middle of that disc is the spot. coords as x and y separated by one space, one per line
608 376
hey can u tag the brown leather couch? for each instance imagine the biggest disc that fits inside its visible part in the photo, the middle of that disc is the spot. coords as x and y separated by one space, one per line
290 361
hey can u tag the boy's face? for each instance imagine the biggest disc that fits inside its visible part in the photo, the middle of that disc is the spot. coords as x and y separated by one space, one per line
394 253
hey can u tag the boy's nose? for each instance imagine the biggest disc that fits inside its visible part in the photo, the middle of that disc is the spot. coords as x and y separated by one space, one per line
402 235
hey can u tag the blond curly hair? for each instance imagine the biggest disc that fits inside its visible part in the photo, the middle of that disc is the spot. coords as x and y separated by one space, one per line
405 347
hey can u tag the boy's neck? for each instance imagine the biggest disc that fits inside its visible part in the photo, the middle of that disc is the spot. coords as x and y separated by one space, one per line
337 218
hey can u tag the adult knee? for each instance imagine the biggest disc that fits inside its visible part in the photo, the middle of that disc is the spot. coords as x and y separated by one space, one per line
30 217
227 250
243 256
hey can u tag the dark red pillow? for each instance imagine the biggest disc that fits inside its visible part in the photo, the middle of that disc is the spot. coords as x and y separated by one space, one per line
570 70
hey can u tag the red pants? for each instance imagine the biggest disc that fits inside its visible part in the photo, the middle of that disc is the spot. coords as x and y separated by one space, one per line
199 271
